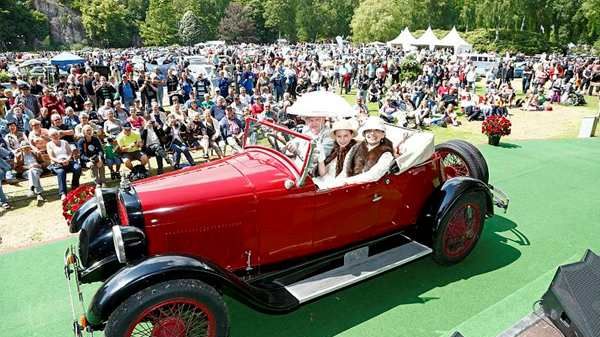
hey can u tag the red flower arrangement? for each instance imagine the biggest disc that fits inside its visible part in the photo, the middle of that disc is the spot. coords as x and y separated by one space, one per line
75 198
496 126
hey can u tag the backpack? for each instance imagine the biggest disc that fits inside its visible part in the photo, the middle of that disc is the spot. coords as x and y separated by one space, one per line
138 172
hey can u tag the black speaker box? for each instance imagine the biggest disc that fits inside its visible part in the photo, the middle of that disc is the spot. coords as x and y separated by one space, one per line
573 300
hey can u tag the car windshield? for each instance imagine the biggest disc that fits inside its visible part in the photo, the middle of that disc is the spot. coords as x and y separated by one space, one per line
291 144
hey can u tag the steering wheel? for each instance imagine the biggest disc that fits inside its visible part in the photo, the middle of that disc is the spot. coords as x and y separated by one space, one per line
277 142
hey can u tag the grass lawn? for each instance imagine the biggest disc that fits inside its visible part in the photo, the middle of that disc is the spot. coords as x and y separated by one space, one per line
562 122
553 187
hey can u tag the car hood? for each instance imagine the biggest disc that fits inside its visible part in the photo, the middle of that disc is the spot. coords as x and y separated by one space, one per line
211 188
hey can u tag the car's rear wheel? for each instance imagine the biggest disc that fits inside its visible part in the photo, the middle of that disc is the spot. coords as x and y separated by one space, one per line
461 159
459 229
176 308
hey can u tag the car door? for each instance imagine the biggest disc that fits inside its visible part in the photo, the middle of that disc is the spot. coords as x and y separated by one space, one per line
344 215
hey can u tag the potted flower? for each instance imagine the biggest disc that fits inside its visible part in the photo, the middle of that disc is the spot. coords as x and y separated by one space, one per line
76 198
495 127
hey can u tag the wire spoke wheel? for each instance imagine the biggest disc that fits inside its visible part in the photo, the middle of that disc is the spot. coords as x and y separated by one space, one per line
454 165
462 230
180 317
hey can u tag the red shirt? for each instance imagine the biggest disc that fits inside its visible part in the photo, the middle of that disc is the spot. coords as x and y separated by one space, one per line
257 109
442 90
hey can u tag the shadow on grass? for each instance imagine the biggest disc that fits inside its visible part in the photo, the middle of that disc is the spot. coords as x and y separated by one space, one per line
350 307
509 145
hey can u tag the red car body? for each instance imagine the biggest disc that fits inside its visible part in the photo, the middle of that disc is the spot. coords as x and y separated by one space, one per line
236 205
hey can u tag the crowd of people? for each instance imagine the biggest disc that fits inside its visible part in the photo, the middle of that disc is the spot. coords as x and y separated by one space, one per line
87 120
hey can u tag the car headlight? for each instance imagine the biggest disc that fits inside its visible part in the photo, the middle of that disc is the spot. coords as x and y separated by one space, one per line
100 202
119 244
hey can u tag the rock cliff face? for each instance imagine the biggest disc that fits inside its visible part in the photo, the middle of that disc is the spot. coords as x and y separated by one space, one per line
65 23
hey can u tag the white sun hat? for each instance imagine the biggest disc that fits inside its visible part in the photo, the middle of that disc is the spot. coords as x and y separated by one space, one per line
373 123
343 124
321 104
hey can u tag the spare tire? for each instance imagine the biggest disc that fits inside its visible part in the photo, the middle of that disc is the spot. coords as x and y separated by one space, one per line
479 159
460 158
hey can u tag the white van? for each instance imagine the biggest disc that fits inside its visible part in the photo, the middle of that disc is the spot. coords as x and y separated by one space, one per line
483 62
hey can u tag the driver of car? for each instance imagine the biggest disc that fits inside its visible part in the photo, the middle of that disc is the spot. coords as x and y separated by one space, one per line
371 159
316 129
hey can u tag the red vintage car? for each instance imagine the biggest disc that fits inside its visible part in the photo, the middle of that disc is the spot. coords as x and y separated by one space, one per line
256 227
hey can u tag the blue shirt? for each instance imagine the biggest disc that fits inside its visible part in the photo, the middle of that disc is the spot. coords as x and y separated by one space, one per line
127 90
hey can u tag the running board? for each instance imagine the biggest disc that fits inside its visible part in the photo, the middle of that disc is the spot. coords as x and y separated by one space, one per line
357 267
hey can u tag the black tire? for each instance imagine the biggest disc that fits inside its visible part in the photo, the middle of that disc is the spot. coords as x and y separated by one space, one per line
484 171
202 304
447 249
466 160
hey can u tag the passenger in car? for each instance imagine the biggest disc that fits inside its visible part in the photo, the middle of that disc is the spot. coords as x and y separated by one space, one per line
331 166
370 159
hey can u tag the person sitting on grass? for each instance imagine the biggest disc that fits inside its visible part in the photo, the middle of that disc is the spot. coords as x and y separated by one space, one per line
5 157
130 147
30 164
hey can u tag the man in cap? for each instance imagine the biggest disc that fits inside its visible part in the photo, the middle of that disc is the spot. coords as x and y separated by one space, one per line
130 146
31 164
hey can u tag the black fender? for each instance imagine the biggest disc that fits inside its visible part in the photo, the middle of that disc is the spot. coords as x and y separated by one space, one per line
133 278
442 200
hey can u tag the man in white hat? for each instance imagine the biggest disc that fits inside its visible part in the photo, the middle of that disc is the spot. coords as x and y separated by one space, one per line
30 164
372 158
316 129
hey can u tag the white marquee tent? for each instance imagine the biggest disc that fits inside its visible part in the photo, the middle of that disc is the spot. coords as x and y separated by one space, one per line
452 39
428 39
405 39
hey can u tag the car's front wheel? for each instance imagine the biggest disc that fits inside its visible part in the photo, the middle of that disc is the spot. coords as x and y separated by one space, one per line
459 229
176 308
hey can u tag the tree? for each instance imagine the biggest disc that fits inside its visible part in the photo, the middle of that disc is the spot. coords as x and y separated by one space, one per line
21 27
281 15
591 10
376 20
105 23
263 33
160 27
237 25
190 31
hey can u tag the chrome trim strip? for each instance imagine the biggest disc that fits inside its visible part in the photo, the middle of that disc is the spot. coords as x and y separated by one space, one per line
119 244
100 202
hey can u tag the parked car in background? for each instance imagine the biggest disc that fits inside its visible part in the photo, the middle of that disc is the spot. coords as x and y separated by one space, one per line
483 62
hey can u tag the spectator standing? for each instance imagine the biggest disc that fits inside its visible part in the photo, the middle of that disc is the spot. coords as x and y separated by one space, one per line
127 91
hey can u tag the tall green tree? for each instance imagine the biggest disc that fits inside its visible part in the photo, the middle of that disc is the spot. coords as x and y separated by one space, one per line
160 27
265 34
190 30
376 20
106 23
21 26
237 25
591 10
281 15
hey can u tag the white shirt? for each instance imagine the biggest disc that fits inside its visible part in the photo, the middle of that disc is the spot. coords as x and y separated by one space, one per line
373 174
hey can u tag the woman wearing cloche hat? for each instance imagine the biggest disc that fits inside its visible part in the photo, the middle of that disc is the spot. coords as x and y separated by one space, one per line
342 132
373 156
